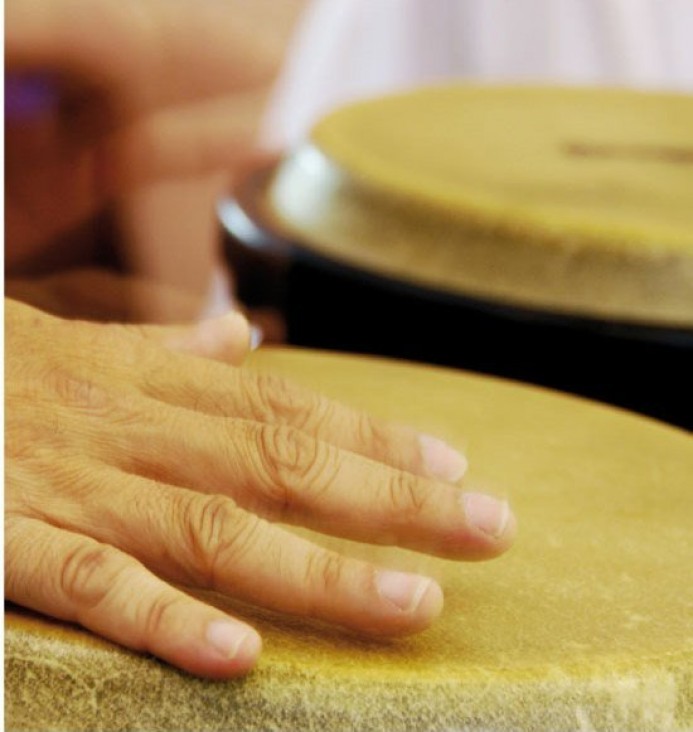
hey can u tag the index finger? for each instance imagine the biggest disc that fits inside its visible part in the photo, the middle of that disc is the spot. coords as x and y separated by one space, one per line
217 390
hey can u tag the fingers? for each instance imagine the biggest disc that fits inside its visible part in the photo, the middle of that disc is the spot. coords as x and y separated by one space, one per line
216 136
75 578
277 469
101 295
215 390
103 160
286 475
179 215
154 50
209 542
226 338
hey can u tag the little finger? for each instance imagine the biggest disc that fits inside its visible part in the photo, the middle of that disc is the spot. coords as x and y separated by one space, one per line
76 578
207 541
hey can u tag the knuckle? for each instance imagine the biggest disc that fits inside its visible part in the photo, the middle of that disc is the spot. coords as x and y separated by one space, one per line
296 466
218 535
407 496
277 401
374 435
155 615
325 572
87 574
78 392
290 456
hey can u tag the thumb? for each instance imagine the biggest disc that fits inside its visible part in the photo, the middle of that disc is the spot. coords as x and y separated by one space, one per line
227 338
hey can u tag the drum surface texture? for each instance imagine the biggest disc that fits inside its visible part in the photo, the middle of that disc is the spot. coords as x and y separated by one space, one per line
586 624
572 200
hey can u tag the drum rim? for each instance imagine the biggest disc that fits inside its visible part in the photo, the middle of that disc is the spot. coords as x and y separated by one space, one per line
243 218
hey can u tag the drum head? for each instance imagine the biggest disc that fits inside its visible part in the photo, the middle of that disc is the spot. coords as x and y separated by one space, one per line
539 233
584 624
572 201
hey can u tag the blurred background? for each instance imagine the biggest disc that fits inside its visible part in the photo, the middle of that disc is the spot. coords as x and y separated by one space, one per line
204 244
340 51
346 49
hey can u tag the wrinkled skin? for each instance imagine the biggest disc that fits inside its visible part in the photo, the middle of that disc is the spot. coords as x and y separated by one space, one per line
143 458
132 464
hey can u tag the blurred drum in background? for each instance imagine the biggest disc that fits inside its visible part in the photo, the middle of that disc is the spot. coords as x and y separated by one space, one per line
539 233
584 625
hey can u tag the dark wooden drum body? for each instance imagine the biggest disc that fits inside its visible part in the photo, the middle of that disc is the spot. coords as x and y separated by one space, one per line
555 248
584 625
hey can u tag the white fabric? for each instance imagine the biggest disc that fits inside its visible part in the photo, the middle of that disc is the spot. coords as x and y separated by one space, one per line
347 49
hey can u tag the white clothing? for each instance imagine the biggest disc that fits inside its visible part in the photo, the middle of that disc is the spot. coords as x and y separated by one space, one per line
348 49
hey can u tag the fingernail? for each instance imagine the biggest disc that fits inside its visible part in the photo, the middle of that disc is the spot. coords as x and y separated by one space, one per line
442 461
28 96
487 513
405 591
233 641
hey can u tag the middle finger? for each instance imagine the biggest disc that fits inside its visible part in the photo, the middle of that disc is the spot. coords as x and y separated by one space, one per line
286 475
215 389
209 542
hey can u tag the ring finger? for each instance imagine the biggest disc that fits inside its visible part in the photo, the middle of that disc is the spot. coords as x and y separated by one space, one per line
208 542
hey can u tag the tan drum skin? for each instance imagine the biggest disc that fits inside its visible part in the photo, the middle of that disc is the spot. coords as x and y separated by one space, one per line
587 624
564 199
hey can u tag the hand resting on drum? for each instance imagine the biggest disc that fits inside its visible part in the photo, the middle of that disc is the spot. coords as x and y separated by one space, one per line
139 460
134 466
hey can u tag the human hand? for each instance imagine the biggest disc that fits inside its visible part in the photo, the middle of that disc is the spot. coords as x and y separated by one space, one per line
132 468
103 295
115 97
